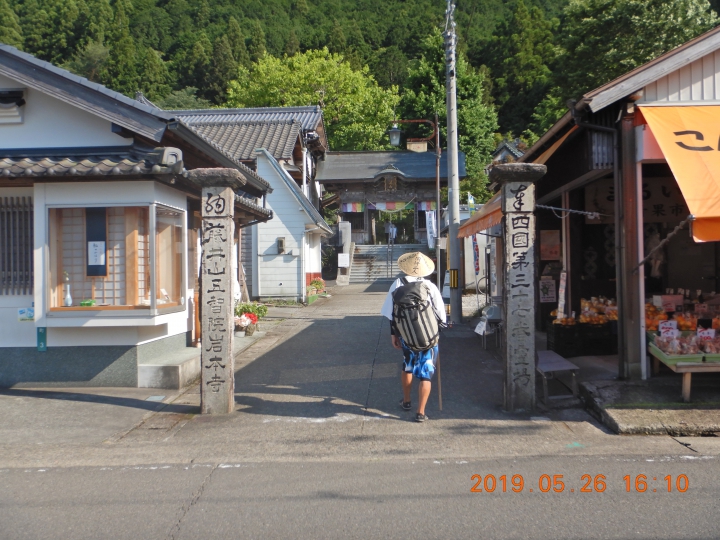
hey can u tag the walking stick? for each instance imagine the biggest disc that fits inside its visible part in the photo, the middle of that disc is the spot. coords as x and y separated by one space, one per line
439 383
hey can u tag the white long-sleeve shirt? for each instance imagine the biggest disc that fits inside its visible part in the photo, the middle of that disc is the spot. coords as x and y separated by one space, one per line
435 296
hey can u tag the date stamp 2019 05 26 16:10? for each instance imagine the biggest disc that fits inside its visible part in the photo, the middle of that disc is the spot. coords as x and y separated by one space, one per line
556 483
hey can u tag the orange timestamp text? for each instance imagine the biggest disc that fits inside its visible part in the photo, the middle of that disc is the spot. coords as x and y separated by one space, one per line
555 483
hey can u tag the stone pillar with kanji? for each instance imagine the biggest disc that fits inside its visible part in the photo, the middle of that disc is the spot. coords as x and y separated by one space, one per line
217 301
517 181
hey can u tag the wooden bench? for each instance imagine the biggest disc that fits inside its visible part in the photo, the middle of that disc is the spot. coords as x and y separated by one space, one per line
687 369
550 362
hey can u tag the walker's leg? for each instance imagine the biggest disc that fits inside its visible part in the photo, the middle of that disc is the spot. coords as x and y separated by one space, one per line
687 377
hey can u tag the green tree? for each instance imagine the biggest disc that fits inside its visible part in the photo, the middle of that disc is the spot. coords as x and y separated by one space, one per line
195 65
477 120
121 73
357 111
93 22
48 27
301 7
222 70
390 67
292 47
602 39
237 43
203 15
90 62
546 113
154 75
519 58
183 100
10 30
337 43
256 47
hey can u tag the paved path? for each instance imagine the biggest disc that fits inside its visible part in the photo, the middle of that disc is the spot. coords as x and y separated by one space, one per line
322 385
320 448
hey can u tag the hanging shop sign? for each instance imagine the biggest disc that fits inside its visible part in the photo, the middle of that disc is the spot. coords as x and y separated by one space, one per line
662 201
550 245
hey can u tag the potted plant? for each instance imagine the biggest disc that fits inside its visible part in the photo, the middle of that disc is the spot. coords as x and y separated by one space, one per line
247 315
318 284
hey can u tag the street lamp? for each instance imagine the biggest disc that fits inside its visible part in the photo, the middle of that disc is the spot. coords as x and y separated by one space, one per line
394 135
395 141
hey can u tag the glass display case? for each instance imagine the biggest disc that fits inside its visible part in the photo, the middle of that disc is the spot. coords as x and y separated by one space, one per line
116 258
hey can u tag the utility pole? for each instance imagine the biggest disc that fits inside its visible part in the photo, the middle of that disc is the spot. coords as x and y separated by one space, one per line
453 174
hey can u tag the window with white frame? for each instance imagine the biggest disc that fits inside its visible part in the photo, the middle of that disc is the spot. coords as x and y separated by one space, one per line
115 258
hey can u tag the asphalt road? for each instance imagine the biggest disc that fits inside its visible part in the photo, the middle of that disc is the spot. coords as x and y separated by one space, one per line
319 448
386 499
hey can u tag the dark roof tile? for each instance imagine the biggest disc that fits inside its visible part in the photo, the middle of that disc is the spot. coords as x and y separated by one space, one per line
132 162
241 139
364 166
308 117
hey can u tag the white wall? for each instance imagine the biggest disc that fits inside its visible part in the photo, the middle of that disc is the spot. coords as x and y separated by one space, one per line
279 274
314 257
51 123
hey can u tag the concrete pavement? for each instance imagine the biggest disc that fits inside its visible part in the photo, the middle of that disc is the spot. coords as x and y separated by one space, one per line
321 385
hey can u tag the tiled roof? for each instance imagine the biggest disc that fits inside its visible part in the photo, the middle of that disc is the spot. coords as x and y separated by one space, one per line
240 140
511 147
249 174
252 207
308 117
130 162
366 166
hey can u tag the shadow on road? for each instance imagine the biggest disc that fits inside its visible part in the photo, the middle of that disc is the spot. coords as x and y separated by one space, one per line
346 366
96 398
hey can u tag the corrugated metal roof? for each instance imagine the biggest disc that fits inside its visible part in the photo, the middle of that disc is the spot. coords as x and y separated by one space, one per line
359 166
308 117
241 139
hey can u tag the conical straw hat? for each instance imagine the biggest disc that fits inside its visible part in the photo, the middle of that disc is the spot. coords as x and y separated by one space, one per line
416 264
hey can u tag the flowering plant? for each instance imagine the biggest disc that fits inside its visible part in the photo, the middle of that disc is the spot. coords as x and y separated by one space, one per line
242 321
318 283
251 317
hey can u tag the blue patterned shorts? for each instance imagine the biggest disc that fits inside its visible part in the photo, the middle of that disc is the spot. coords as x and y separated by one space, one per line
420 364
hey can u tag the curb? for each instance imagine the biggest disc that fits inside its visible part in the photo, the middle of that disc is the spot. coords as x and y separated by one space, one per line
690 422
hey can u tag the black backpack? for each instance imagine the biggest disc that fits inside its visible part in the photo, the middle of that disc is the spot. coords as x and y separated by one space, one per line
414 317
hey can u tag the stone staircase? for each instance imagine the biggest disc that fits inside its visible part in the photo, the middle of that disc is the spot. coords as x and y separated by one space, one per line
370 262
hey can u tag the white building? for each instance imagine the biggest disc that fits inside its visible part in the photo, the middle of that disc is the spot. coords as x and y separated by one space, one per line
288 247
98 228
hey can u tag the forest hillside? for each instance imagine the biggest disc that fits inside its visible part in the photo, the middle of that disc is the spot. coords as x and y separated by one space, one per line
364 61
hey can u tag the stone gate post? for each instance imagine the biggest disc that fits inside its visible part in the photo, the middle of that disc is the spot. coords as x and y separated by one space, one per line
217 370
517 182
